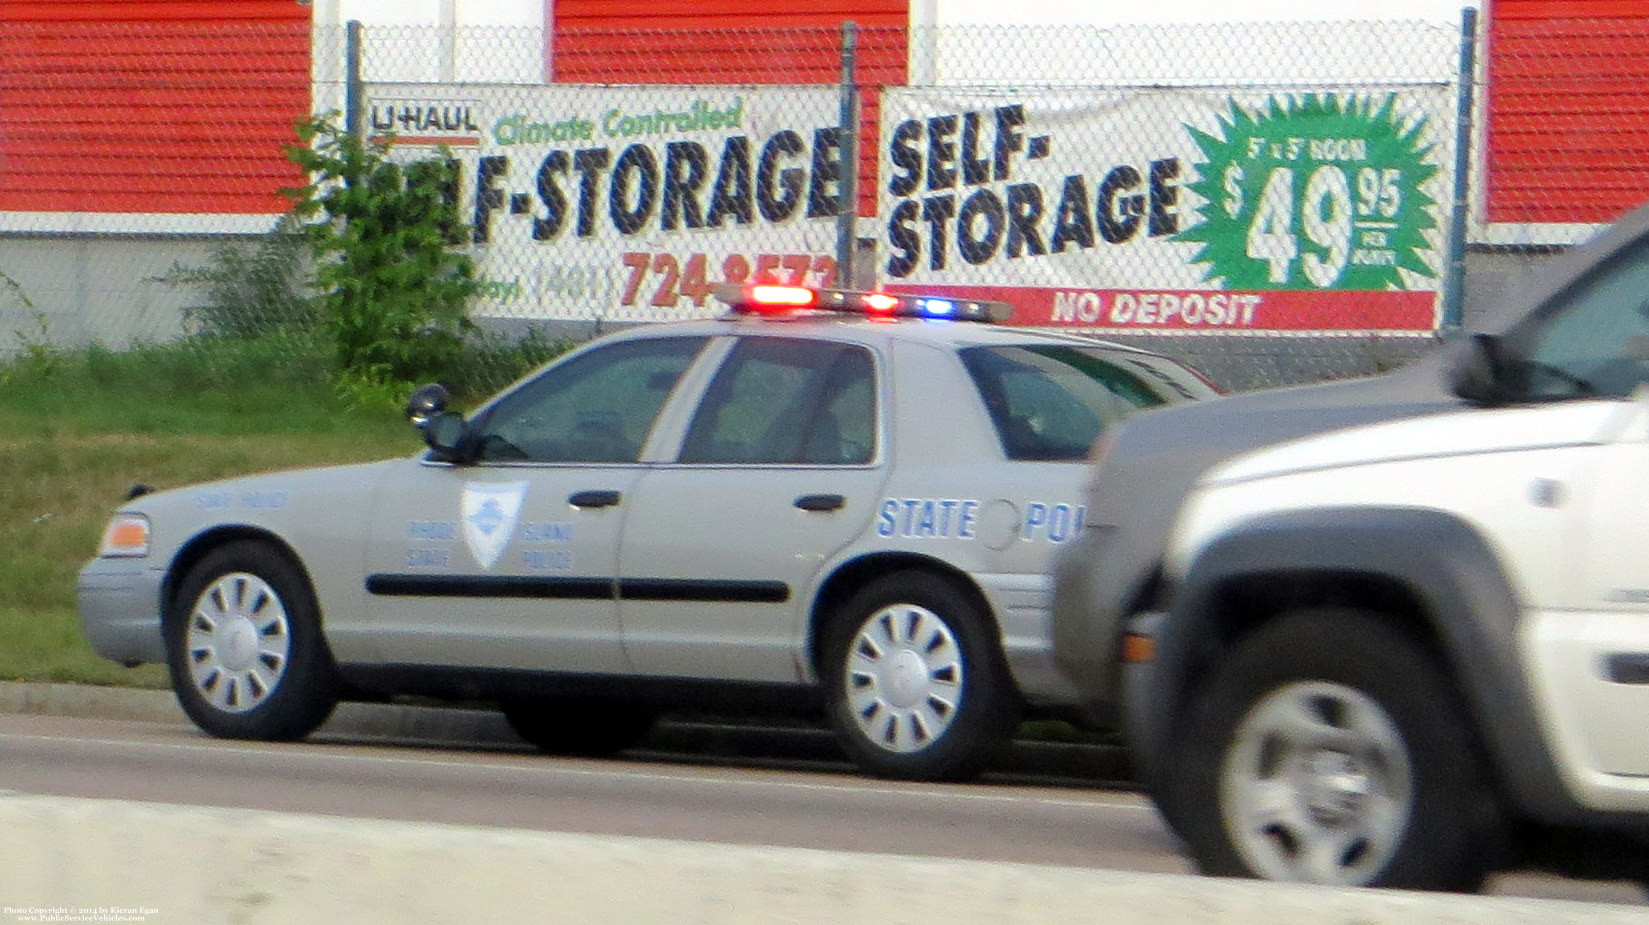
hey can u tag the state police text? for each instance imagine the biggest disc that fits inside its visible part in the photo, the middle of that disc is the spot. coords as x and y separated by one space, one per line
946 155
668 186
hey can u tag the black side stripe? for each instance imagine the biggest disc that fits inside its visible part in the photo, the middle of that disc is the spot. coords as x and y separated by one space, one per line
703 589
490 586
717 591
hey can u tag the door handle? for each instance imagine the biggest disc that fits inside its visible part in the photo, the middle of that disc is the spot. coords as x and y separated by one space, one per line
820 502
594 498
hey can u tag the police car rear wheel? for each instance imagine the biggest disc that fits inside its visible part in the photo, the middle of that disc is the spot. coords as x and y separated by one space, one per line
245 649
577 726
914 681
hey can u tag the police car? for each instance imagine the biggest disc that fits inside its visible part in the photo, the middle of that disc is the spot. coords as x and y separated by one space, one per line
822 499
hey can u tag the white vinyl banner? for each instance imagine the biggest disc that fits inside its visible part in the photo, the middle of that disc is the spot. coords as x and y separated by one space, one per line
1172 210
629 203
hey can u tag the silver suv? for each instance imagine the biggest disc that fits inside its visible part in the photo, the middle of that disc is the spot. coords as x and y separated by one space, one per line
1393 632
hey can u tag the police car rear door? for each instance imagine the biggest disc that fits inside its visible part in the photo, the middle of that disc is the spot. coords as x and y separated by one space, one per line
779 468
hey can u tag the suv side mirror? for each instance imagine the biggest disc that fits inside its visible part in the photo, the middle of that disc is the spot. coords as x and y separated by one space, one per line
1479 371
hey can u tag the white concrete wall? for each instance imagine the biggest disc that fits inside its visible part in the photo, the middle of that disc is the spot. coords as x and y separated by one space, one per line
160 864
83 289
431 41
1181 42
1119 12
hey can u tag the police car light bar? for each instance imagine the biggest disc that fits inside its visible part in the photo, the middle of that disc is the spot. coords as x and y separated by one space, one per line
771 299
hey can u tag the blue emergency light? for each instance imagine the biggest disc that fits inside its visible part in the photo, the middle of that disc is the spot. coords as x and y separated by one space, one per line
778 300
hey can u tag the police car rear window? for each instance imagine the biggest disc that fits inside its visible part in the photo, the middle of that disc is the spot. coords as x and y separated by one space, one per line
1052 402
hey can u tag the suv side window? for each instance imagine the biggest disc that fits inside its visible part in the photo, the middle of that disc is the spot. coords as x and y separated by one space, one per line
785 401
1597 341
594 408
1050 402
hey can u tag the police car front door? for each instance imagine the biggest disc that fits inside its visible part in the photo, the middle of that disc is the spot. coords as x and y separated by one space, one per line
510 561
779 469
496 566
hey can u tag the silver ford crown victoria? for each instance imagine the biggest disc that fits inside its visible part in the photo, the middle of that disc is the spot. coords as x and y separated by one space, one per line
830 500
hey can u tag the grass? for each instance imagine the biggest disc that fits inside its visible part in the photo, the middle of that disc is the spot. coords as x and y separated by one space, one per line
82 427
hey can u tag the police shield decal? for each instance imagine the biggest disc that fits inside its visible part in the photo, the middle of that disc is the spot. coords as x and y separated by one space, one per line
489 515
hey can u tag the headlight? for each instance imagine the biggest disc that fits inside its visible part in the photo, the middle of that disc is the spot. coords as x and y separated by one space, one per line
127 536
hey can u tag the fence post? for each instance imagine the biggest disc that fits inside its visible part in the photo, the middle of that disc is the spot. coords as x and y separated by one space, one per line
354 90
1454 287
847 195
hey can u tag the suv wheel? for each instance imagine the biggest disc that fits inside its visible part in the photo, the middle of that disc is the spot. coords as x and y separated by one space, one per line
245 649
1330 747
914 680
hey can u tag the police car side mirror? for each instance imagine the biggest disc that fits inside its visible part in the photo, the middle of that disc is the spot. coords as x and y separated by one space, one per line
1479 373
427 402
445 434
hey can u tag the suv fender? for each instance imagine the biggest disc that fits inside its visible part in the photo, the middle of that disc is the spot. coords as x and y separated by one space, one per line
1426 567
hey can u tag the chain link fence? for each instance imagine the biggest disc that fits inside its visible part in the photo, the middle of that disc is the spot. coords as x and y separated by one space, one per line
1272 201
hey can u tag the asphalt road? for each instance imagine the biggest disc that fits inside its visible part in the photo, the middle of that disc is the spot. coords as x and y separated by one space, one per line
805 803
634 796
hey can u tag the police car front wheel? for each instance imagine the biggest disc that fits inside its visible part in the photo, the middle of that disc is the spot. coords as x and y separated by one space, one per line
914 680
245 649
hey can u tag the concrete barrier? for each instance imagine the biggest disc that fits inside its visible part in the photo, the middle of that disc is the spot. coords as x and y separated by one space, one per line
65 860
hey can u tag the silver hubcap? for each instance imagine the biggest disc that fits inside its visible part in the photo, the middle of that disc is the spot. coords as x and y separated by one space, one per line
904 678
237 642
1316 786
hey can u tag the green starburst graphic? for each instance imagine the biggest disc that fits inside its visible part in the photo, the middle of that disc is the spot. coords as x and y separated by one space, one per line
1324 191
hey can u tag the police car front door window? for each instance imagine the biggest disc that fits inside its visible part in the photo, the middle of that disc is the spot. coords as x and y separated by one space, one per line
594 408
1597 341
1051 403
779 401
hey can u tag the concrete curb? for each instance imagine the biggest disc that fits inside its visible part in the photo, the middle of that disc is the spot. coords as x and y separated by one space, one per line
65 859
1100 765
159 864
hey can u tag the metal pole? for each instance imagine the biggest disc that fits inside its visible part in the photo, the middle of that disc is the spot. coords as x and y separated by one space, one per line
354 90
1454 288
847 189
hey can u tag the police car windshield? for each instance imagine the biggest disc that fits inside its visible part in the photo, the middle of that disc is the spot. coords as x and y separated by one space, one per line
1051 402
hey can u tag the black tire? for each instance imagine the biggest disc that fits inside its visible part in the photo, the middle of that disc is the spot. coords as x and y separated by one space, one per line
586 728
914 680
245 649
1330 746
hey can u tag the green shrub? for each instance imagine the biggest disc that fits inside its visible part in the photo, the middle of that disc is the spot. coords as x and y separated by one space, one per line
251 289
391 278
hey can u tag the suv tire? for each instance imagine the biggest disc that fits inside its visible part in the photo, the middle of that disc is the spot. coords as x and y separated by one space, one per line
1330 747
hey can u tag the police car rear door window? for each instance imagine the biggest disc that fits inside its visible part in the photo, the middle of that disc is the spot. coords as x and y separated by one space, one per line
786 401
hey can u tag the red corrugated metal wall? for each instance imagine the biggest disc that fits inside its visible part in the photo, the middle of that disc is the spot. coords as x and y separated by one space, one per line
735 41
1568 119
163 106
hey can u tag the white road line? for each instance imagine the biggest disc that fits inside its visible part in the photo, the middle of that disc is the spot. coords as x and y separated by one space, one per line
936 792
